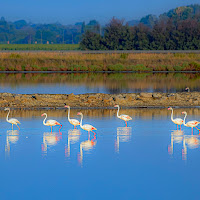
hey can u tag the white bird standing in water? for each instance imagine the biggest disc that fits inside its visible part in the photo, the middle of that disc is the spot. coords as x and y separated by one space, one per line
12 120
74 122
191 124
86 127
50 122
177 121
123 117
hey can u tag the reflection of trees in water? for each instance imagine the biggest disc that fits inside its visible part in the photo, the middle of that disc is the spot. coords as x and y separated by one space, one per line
113 82
144 113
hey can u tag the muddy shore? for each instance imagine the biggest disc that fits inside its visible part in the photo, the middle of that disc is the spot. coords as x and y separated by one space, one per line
99 100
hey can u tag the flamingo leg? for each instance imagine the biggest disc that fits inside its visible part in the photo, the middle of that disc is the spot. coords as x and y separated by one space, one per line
51 129
18 127
192 130
180 127
94 132
12 126
177 126
126 123
59 129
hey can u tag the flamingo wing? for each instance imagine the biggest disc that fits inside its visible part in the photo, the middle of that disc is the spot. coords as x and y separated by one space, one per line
52 122
192 123
14 121
178 121
74 122
88 127
125 117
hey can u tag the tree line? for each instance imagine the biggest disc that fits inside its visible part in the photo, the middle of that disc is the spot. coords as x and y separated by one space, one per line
21 32
178 29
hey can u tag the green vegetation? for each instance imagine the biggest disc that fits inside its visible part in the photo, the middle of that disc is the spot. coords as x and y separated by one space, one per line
21 32
40 47
63 61
178 29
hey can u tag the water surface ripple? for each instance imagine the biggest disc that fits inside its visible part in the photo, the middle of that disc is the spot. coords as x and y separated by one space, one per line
149 159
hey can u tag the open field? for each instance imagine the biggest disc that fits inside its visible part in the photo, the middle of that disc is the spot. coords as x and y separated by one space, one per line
62 61
38 47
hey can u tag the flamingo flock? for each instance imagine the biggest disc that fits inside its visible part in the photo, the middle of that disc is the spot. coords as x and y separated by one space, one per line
50 122
178 121
90 128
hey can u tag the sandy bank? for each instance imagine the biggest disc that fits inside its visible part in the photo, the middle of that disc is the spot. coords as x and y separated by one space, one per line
99 100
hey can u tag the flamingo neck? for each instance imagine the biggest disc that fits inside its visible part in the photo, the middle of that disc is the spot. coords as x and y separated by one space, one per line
45 119
81 121
118 112
172 116
8 115
68 114
184 120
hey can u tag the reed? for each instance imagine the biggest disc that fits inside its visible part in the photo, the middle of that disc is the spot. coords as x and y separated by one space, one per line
62 61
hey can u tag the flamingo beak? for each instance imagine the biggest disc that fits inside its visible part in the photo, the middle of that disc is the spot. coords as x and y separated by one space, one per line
115 106
66 106
42 114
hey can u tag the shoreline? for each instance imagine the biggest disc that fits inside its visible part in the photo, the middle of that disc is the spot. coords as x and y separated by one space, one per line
100 100
93 72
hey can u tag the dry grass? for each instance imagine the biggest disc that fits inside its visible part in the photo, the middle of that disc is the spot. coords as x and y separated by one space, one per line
52 61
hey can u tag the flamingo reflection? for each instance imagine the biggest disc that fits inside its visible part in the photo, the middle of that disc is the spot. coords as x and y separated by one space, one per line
87 146
191 142
12 137
49 139
73 137
176 137
123 135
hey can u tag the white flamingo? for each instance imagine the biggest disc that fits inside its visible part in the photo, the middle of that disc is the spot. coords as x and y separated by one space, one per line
191 124
86 127
74 122
123 117
12 120
177 121
50 122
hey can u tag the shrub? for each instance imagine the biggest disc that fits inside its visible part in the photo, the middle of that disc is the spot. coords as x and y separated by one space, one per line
124 55
178 68
140 68
117 67
14 55
94 68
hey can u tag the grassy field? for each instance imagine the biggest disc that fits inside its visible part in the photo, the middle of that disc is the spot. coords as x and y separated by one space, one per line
62 61
39 47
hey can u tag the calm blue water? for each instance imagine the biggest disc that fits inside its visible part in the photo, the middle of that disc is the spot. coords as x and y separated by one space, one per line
80 83
148 160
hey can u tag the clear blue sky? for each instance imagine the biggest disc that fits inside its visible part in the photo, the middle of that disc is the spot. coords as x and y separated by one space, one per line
71 11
